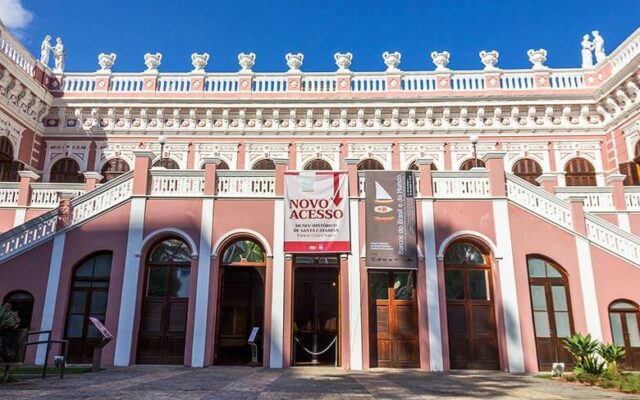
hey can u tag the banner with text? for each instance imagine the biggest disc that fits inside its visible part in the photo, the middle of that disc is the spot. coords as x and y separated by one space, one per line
390 216
316 212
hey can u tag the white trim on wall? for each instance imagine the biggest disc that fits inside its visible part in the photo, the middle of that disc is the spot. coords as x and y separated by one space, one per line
242 232
355 307
588 284
129 295
202 286
51 295
167 232
277 292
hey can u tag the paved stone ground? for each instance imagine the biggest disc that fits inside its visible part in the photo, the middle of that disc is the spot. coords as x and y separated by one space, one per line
239 383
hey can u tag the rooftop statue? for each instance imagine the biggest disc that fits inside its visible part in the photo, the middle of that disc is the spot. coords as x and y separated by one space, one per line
199 61
587 48
489 59
392 60
106 61
598 46
45 48
152 61
440 60
58 56
343 61
537 58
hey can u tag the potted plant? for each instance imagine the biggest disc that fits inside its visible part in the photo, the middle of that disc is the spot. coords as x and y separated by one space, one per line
13 341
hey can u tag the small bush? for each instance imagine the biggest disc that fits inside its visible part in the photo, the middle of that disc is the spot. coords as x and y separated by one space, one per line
586 377
9 320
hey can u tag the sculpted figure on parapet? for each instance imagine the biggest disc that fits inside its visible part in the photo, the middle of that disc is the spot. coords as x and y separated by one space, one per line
591 48
58 56
45 48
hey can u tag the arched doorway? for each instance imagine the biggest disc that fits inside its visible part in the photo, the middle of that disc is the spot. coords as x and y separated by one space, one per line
266 164
551 308
167 163
317 164
471 318
472 163
165 302
370 164
66 170
414 167
624 317
8 166
528 169
113 169
631 168
87 298
21 301
221 165
241 302
580 172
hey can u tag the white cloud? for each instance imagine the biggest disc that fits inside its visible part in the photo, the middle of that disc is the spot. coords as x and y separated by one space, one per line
13 15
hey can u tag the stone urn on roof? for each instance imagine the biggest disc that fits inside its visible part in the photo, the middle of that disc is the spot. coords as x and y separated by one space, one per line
106 61
294 61
392 60
343 61
246 61
440 60
537 58
152 61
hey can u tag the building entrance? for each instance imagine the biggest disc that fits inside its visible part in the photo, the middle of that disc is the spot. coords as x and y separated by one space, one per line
315 311
393 319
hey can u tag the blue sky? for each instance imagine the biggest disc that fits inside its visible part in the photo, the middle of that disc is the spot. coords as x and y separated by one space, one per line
320 28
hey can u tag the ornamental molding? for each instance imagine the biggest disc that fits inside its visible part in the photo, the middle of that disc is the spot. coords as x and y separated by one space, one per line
255 152
409 152
108 150
57 150
537 151
589 150
377 151
12 130
178 152
631 135
462 151
25 97
228 152
329 152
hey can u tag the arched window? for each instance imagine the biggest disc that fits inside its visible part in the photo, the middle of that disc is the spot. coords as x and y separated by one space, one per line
66 170
317 164
414 167
528 169
264 165
473 338
551 308
472 163
580 172
167 163
624 317
631 169
87 298
241 307
113 169
221 165
8 166
370 164
21 301
163 323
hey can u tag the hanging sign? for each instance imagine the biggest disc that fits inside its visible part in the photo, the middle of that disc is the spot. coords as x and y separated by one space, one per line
316 212
390 215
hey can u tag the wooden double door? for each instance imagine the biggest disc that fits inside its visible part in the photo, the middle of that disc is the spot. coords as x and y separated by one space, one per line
393 319
473 340
625 328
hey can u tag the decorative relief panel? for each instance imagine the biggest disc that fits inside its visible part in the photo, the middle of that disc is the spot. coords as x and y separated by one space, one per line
462 151
377 151
106 151
631 137
225 151
538 151
565 151
55 151
12 131
178 152
330 152
255 152
409 152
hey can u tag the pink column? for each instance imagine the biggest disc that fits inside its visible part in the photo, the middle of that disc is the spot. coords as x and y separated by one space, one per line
245 81
103 82
196 82
142 165
577 214
150 82
615 181
426 184
281 166
423 329
548 182
494 161
287 340
443 82
541 80
394 81
210 178
65 211
352 170
294 81
91 180
343 340
26 179
492 81
343 81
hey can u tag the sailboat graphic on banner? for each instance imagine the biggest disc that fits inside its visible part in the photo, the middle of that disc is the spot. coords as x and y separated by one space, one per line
383 200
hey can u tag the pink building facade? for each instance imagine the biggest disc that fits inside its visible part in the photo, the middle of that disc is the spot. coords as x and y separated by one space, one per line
155 202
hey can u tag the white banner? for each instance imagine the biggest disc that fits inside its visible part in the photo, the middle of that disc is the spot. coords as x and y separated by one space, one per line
316 212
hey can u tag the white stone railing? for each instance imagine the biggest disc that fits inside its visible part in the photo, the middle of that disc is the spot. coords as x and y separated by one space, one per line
27 235
101 199
566 79
361 184
173 83
9 193
221 83
15 51
270 83
123 83
539 201
624 53
418 82
517 81
613 238
176 183
461 184
468 81
47 195
85 82
319 83
632 198
369 83
246 183
596 198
